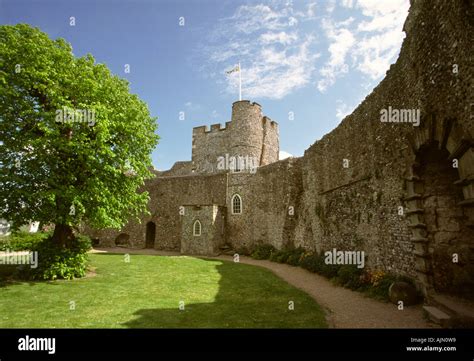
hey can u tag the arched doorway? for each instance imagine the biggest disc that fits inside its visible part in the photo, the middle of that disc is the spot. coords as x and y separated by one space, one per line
150 235
447 233
440 208
122 240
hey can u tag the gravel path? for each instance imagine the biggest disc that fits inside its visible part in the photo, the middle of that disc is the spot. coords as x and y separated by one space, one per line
344 308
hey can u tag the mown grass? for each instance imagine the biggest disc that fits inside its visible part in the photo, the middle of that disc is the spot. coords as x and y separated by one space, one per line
147 291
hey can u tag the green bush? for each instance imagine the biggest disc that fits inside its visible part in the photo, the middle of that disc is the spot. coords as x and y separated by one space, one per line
294 256
329 270
312 262
243 251
279 256
290 256
380 290
263 251
351 277
22 241
56 262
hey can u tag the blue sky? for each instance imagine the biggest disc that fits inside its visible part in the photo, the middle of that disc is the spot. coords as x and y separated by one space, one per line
308 63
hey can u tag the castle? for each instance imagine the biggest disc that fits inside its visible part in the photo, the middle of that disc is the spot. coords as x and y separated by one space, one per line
401 193
202 205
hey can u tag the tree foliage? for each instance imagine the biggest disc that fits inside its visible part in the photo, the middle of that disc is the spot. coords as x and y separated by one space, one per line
56 165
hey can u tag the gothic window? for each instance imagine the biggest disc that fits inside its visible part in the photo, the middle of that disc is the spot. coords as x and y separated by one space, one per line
197 228
236 204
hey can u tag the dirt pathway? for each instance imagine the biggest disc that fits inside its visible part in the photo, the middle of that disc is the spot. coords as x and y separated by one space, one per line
344 308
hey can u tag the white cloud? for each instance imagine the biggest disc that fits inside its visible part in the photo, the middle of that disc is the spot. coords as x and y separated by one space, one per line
372 43
192 106
341 42
330 6
281 37
284 155
347 3
381 36
342 109
311 10
279 55
275 58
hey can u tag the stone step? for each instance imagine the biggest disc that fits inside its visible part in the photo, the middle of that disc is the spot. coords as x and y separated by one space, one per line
421 254
413 196
414 211
437 316
419 239
467 203
465 181
417 225
461 311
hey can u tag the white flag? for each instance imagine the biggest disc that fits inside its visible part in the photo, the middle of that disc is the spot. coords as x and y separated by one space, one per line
237 68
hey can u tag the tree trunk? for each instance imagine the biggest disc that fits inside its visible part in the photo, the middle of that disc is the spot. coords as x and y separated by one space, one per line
63 235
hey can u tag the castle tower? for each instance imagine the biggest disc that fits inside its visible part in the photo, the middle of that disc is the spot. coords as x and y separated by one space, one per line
248 134
253 135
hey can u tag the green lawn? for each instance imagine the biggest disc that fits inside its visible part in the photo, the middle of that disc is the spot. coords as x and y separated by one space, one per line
146 292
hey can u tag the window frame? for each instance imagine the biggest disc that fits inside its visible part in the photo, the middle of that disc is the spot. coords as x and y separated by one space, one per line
196 222
236 195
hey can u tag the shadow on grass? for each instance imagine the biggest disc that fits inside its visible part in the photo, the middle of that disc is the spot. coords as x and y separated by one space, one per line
239 303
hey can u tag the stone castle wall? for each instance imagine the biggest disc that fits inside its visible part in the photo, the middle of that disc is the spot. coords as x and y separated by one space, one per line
167 195
267 196
212 219
358 207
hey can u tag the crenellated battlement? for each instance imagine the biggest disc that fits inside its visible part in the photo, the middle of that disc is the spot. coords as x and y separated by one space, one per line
200 130
205 129
246 103
266 121
217 126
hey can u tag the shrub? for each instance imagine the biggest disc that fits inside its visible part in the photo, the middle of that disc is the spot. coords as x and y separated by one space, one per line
243 251
279 256
311 262
381 289
294 256
329 270
55 262
22 241
351 277
263 251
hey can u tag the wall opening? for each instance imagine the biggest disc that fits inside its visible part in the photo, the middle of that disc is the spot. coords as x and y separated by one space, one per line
122 239
447 234
150 235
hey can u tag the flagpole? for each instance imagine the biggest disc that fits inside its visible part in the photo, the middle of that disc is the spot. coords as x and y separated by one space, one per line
240 82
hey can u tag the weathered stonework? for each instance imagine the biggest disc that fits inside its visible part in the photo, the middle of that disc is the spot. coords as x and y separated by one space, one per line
211 230
404 194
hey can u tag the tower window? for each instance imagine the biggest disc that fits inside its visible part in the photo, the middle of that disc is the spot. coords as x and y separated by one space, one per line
236 204
197 228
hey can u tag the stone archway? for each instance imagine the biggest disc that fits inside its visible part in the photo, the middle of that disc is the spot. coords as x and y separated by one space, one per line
440 207
122 240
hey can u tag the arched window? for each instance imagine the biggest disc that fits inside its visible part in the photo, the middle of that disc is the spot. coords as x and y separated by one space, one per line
197 228
236 204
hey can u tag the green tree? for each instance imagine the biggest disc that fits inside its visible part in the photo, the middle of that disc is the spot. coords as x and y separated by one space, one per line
75 144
